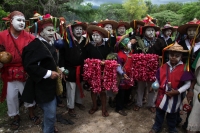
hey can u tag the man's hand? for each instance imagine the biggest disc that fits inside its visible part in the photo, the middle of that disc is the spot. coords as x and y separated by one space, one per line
1 65
189 96
64 77
172 93
125 76
54 75
133 41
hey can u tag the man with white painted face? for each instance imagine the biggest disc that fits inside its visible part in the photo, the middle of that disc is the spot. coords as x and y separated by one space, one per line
121 29
151 45
40 61
189 29
71 57
13 40
98 49
110 26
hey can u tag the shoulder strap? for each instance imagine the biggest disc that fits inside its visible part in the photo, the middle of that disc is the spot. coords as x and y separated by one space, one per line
15 44
49 52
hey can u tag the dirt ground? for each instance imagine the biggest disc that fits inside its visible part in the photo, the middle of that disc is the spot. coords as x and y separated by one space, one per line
134 122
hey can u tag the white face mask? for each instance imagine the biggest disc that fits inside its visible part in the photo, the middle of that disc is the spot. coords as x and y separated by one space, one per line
97 38
191 32
18 22
108 27
150 32
121 30
168 33
48 33
77 31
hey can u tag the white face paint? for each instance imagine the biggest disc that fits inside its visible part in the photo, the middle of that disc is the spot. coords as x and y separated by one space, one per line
97 38
48 33
150 32
167 32
77 31
191 32
121 30
18 22
108 27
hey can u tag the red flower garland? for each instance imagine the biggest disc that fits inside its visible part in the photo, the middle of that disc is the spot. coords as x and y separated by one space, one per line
92 73
145 67
110 75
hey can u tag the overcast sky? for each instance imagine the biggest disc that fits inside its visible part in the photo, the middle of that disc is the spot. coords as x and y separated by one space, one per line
98 2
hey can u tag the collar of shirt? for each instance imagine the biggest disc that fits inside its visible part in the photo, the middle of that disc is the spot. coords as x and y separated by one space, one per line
172 68
81 39
98 45
42 39
166 38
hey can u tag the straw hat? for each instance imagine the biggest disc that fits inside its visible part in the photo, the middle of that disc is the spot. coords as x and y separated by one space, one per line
123 23
79 23
168 26
134 23
176 48
112 22
150 24
36 16
183 28
92 28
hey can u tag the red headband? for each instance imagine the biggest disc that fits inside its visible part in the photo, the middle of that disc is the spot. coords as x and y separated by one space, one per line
98 32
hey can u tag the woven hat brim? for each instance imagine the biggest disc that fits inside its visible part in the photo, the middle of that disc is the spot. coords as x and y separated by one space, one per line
173 29
182 51
136 23
112 22
44 21
155 27
126 24
84 25
92 28
183 28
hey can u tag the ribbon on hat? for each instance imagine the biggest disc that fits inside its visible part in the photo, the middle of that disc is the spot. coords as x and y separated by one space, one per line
36 28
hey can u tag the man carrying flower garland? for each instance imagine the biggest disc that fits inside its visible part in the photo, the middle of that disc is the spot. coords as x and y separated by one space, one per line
151 45
98 49
71 57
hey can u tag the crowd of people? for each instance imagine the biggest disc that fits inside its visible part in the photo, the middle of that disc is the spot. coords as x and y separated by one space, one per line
50 49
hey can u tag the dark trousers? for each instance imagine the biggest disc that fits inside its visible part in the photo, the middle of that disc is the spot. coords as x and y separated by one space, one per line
171 121
122 98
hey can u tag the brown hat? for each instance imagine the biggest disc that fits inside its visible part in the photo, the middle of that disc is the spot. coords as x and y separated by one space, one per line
46 21
176 48
150 24
94 23
93 28
112 22
168 26
123 23
78 23
134 23
183 28
12 14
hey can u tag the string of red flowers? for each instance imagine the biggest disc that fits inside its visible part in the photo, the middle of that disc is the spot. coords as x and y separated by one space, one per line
145 67
98 80
110 75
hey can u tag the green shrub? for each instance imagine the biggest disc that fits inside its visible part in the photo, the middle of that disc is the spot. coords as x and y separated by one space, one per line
3 106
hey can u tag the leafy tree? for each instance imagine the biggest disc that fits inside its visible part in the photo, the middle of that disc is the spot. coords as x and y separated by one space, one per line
136 8
112 11
190 11
168 16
